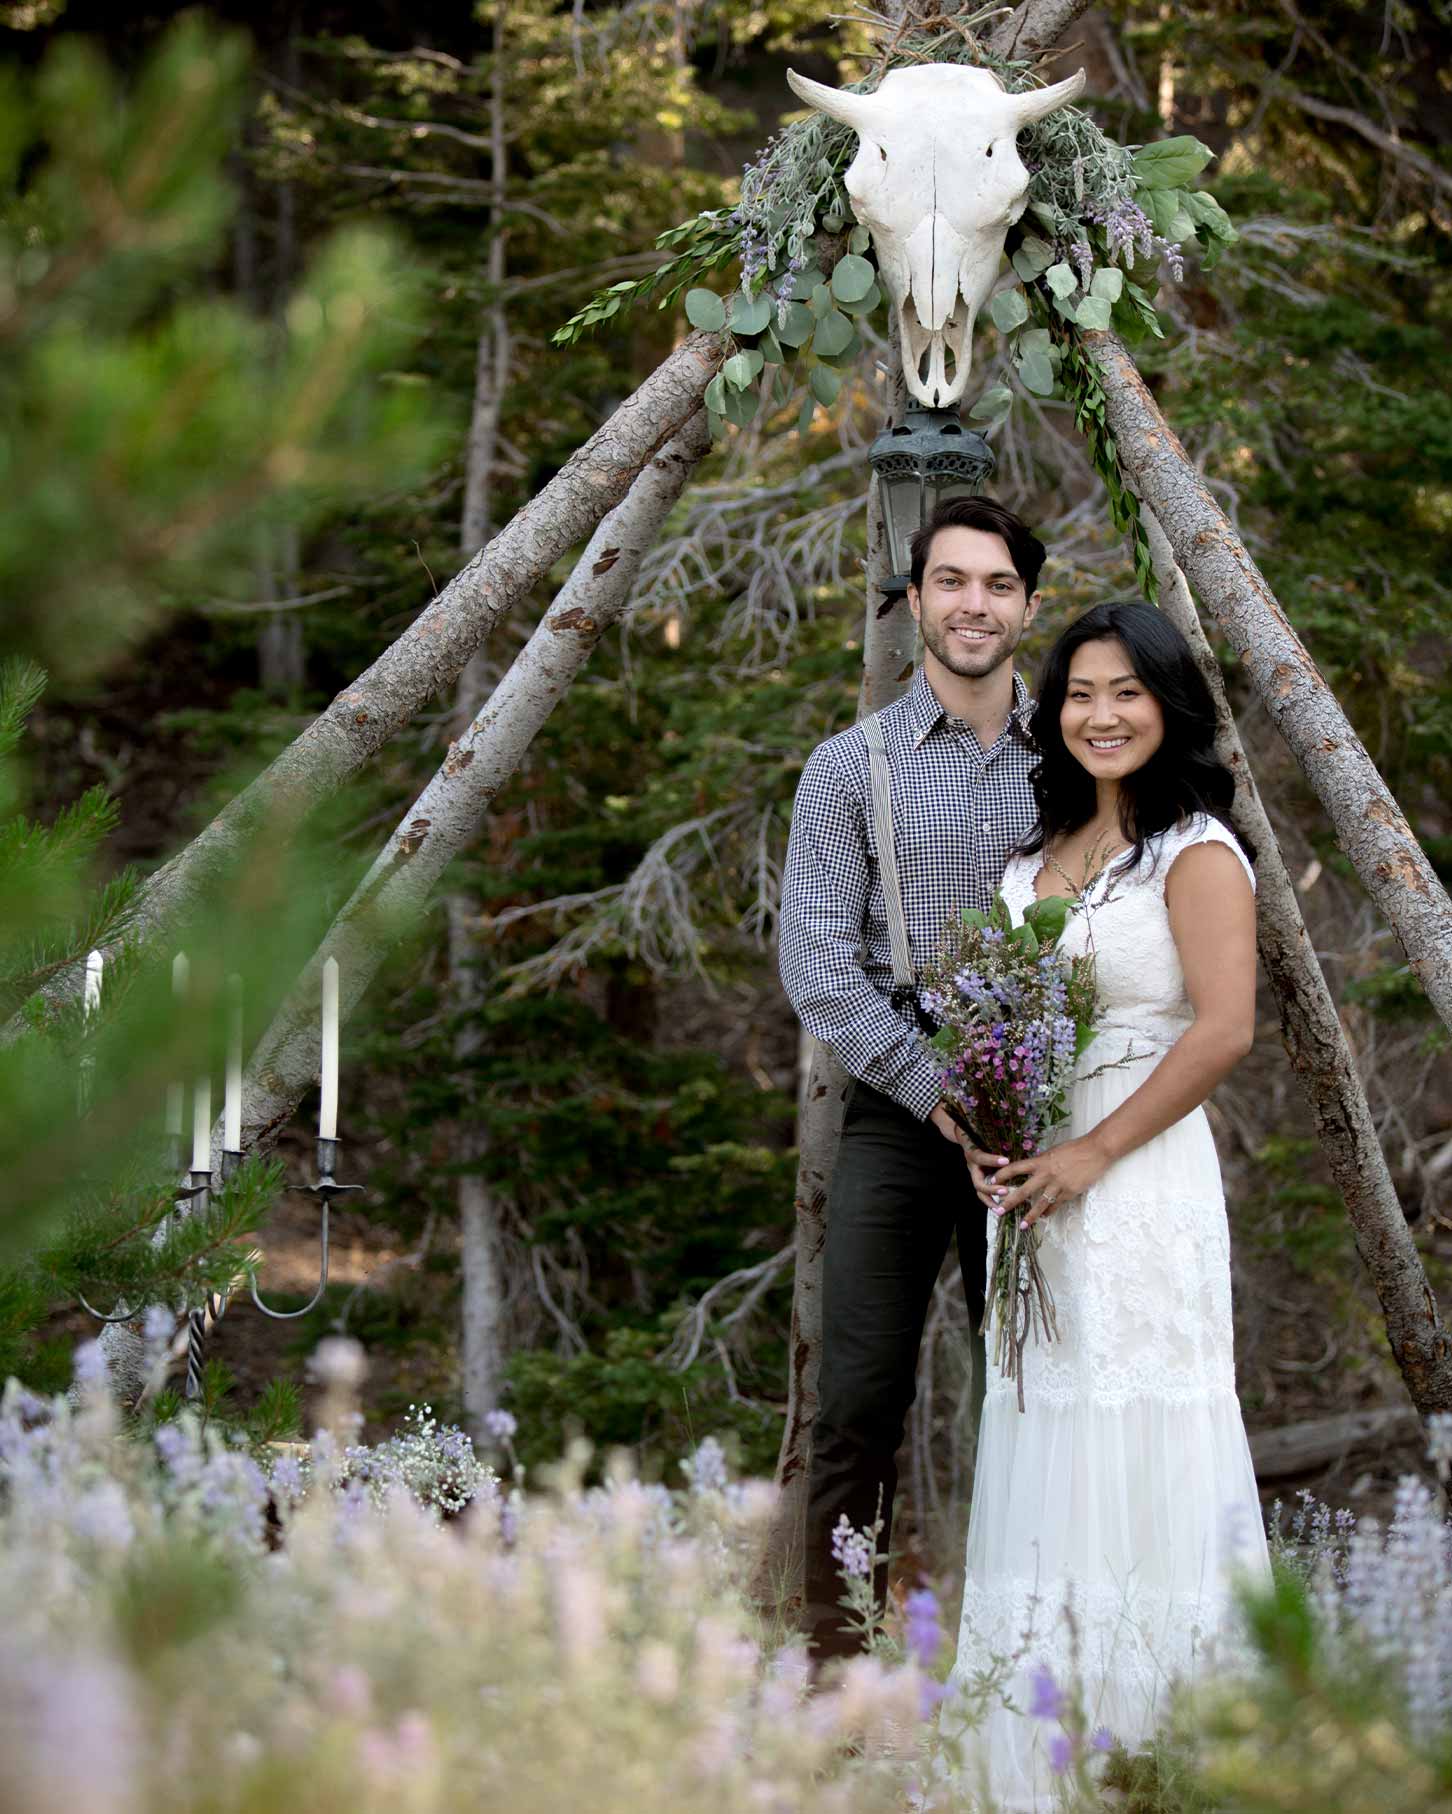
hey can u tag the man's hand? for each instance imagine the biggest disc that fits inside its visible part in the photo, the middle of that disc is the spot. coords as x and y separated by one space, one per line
981 1165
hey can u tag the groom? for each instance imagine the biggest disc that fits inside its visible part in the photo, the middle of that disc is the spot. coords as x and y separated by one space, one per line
957 760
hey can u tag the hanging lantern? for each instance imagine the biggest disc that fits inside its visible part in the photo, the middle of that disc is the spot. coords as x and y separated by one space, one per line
926 458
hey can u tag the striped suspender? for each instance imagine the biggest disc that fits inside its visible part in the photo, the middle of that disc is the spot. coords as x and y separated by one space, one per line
897 932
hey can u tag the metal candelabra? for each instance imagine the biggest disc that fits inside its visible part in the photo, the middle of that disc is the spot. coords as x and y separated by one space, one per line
325 1190
211 1310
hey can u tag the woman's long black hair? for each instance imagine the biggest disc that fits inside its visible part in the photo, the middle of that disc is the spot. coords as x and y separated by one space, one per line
1183 777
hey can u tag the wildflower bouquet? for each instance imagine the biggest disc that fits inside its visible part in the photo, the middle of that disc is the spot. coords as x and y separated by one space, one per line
1014 1016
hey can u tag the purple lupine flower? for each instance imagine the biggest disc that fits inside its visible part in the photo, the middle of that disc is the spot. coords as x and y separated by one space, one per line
706 1469
924 1633
852 1550
90 1367
1046 1698
1061 1753
1101 1739
501 1424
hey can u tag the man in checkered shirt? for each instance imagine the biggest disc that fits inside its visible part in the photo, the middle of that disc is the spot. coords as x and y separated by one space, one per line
960 757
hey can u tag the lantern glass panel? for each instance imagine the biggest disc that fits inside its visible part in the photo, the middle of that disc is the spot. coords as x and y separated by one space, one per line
902 510
938 490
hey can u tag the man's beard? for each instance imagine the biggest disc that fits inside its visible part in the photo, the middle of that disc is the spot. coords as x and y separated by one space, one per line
972 661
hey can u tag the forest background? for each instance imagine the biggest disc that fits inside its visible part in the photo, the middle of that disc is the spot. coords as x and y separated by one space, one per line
581 1068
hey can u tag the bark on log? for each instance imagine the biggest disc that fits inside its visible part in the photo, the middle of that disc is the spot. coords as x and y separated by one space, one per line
431 653
1370 826
1299 1448
448 814
1316 1044
777 1582
1036 26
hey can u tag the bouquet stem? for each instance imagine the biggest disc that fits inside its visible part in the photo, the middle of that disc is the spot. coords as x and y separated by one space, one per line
1019 1298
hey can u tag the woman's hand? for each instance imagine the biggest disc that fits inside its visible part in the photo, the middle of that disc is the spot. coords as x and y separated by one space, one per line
1050 1180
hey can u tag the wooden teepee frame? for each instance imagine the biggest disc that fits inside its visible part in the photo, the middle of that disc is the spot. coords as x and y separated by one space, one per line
620 485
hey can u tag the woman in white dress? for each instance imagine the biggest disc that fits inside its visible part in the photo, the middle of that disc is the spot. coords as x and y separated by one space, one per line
1124 1492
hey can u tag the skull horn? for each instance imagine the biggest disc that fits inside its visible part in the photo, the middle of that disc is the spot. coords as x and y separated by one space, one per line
1038 103
854 110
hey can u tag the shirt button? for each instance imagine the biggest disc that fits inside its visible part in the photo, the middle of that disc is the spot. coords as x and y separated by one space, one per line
987 825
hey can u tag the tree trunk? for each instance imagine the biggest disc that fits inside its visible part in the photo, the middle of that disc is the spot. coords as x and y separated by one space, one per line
448 814
481 1246
1317 1047
1369 824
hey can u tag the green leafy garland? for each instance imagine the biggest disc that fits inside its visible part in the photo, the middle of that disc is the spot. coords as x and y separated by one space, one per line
1101 221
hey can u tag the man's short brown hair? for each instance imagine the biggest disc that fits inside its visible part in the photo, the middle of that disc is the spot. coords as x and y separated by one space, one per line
1025 549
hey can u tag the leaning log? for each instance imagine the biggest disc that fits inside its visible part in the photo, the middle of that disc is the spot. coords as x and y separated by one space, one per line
1316 1043
430 655
1370 827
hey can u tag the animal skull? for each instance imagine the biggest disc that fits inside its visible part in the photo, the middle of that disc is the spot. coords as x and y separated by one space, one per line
938 182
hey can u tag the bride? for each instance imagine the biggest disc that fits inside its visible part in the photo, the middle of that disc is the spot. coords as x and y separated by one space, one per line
1114 1517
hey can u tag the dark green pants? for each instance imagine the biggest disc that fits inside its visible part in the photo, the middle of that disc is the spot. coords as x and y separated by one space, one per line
899 1193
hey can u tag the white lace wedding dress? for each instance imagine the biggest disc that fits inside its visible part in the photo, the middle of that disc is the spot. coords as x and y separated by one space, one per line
1124 1492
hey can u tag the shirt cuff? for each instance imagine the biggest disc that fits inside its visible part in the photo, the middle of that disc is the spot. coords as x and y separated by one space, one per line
920 1092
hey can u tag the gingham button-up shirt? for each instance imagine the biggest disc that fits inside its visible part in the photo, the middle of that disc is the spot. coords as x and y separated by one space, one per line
958 811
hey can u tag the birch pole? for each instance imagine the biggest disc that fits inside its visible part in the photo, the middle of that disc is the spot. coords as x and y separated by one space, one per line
1316 1044
889 652
481 1243
448 814
1370 826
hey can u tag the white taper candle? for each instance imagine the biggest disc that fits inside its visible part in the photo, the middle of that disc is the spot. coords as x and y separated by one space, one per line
176 1092
95 964
202 1125
328 1107
232 1105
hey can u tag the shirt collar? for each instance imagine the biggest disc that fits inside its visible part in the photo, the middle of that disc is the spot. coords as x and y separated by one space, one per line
925 711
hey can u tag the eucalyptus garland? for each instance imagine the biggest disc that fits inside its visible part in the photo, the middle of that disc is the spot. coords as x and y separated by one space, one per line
1102 222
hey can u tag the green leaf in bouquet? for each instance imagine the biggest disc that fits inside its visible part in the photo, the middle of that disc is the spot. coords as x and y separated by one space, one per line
1025 937
1083 1037
1049 917
943 1040
974 917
